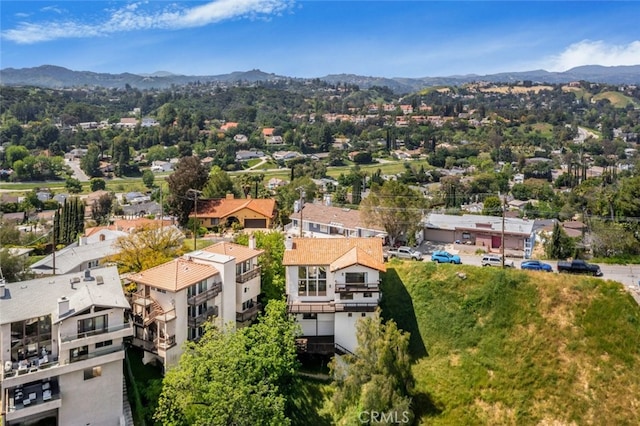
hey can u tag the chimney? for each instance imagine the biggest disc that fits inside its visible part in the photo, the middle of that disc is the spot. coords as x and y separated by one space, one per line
63 306
3 289
252 242
230 197
288 243
82 241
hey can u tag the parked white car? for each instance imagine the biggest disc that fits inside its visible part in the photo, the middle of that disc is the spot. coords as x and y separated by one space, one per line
495 260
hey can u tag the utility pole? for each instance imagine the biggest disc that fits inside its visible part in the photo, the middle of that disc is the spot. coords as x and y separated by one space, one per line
195 193
504 204
301 201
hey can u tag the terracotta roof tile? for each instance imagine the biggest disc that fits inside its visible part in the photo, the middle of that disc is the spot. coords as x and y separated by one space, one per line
240 252
221 208
336 252
174 275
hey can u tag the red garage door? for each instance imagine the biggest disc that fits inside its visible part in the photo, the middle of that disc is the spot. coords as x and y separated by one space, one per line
495 241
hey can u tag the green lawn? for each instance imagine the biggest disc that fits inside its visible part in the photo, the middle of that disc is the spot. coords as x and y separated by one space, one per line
511 347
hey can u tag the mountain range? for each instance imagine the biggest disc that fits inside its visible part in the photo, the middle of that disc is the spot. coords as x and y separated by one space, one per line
58 77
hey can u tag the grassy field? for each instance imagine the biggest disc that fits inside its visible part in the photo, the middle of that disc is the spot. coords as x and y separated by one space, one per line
617 99
511 347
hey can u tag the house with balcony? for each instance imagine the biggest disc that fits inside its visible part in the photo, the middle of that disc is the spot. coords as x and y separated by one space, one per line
330 284
62 349
323 220
219 284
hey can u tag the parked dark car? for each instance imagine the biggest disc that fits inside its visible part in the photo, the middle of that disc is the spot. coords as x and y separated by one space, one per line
536 265
579 266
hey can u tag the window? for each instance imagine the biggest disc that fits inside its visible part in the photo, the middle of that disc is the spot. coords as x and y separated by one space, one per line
78 354
309 316
30 337
312 281
91 373
103 344
368 295
355 277
95 325
346 296
349 314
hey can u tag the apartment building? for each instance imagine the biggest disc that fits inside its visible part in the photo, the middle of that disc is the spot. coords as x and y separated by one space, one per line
61 340
330 284
173 301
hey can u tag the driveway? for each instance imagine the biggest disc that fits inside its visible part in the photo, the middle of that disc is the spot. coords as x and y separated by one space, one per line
78 173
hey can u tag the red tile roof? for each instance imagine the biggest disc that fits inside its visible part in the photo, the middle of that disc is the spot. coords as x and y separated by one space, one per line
339 253
221 208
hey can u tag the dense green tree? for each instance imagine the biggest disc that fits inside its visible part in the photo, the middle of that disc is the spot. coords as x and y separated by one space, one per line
13 267
288 194
219 184
394 207
559 245
97 184
241 377
73 185
68 221
189 174
377 378
102 207
145 248
148 178
492 206
273 273
90 163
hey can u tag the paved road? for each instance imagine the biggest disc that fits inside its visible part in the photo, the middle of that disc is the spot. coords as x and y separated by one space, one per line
77 171
628 275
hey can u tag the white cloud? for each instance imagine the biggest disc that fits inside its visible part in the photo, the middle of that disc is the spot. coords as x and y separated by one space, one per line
52 9
133 17
598 52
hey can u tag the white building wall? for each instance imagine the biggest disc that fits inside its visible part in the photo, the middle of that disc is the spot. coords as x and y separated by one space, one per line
96 401
181 329
247 291
345 328
226 301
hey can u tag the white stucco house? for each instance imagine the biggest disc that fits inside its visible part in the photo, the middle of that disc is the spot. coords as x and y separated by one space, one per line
331 283
61 340
173 301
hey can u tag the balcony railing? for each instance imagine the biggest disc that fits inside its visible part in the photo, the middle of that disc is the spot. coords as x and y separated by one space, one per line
249 275
108 350
356 307
356 287
71 337
159 343
311 307
202 318
215 290
249 313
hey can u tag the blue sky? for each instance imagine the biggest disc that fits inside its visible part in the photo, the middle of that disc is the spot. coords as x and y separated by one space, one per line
316 38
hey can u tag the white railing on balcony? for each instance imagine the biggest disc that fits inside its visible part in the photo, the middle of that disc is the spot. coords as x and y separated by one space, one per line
75 336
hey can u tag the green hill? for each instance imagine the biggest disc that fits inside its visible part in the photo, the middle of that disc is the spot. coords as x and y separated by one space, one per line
515 347
617 99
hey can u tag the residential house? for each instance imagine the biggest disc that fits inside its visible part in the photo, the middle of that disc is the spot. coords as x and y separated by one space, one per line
159 166
274 183
285 155
15 218
267 132
228 126
244 155
219 284
323 220
240 138
61 340
331 283
75 153
485 232
248 212
275 140
76 257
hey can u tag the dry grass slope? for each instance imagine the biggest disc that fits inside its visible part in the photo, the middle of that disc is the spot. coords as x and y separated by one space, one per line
516 347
